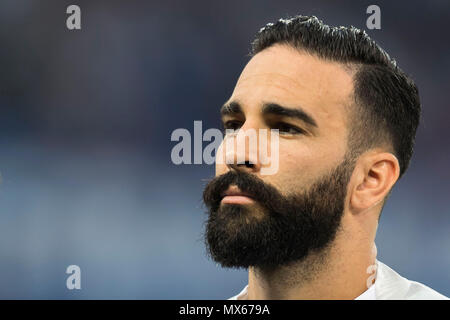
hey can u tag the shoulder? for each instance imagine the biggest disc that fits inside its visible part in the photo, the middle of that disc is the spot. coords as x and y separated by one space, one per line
391 285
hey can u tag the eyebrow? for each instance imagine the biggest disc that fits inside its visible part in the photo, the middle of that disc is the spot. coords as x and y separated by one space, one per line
230 109
276 109
234 108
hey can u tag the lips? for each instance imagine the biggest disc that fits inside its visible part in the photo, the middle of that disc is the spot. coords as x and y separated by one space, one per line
235 191
234 195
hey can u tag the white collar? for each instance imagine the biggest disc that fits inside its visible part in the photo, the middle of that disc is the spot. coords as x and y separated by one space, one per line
389 285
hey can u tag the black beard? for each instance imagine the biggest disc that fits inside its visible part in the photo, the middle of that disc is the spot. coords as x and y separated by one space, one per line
277 230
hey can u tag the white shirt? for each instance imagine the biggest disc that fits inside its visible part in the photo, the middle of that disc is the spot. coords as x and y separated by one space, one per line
389 285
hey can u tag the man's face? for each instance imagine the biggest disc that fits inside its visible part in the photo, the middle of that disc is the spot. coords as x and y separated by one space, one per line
280 218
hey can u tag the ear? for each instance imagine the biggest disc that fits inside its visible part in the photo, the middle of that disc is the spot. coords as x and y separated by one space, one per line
375 174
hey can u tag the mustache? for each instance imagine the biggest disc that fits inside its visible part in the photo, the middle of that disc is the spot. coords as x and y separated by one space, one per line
260 191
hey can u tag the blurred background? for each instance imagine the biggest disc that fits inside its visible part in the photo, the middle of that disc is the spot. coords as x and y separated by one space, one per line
85 124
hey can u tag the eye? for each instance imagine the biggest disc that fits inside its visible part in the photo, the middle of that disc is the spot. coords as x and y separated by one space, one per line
232 124
285 128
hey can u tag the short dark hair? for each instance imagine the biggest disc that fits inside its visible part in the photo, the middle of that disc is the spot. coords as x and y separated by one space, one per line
386 100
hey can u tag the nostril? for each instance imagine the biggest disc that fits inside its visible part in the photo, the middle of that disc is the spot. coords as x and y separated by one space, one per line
248 164
244 165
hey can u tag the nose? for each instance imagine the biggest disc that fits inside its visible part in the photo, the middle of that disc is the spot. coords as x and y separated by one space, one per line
242 151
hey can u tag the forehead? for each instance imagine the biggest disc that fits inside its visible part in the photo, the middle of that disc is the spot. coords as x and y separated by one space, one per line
289 77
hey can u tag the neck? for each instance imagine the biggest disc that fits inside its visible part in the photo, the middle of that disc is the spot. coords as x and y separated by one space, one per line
337 272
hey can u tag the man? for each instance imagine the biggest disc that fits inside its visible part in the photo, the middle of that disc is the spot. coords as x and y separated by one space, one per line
346 117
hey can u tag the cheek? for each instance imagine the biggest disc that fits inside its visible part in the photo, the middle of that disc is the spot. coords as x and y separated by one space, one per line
292 169
300 165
